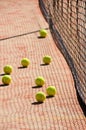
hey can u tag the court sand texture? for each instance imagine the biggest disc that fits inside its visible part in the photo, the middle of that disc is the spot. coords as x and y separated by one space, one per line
20 21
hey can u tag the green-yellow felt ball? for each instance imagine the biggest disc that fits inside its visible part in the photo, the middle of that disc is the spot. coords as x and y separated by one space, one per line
47 59
6 79
8 69
25 62
43 33
40 96
51 90
39 81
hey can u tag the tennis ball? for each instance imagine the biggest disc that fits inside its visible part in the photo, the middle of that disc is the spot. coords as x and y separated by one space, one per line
25 62
40 81
43 33
40 96
6 79
47 59
51 90
8 69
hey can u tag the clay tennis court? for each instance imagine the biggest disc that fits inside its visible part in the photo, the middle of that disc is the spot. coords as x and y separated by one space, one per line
20 22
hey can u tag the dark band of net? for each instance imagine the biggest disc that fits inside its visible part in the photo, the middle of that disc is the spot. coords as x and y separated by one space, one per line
67 22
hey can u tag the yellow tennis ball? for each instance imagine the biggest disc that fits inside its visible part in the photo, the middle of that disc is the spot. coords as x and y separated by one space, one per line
51 90
40 96
47 59
43 33
8 69
25 62
6 79
40 81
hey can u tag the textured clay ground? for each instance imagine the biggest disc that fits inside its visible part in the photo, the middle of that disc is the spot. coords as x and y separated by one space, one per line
20 22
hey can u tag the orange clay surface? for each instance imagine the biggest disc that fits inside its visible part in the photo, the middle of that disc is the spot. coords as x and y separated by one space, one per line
20 22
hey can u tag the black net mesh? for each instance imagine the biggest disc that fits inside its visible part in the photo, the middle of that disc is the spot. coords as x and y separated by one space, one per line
67 20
